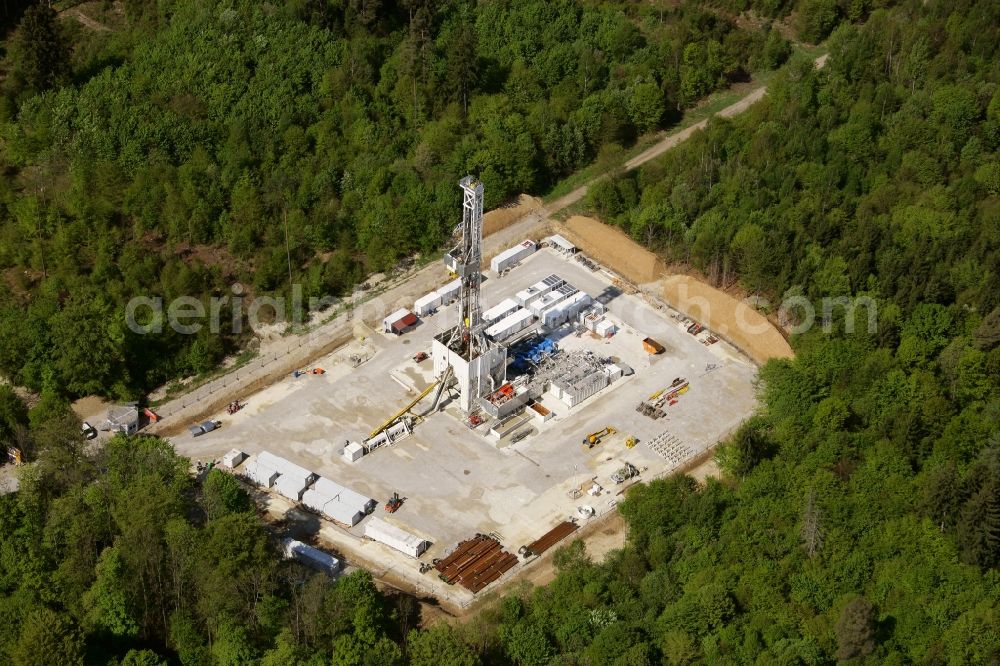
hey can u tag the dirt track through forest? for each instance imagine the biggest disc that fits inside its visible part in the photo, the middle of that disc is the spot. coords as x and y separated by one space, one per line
504 227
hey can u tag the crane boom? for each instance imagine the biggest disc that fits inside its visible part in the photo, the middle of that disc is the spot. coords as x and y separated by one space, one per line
395 417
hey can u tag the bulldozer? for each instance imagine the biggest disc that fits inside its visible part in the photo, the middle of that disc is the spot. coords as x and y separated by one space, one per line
595 438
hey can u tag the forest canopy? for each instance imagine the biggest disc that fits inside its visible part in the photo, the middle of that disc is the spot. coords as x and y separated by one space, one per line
172 155
857 514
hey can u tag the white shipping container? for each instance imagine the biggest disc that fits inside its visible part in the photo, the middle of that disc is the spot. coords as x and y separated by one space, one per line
614 372
327 487
310 556
342 513
449 292
499 311
260 474
606 328
512 256
510 325
394 537
356 500
426 304
315 500
284 466
290 487
527 296
233 458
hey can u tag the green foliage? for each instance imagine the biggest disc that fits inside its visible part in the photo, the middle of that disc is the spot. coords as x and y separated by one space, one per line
47 637
222 495
40 50
856 629
439 645
192 139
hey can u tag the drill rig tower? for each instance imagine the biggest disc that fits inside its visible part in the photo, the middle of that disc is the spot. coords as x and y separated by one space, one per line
478 364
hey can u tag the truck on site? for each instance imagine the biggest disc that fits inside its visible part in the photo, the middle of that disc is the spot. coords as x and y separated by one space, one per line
204 427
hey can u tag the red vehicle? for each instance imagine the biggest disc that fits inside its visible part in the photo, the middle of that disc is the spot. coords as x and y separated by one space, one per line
394 503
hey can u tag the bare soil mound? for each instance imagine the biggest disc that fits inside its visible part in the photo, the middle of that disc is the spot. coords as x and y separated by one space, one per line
503 217
731 318
613 248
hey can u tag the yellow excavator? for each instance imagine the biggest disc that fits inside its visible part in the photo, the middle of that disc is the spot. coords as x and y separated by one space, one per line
595 438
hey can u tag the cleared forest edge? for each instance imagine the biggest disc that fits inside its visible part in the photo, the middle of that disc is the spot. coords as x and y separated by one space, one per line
613 248
501 218
731 318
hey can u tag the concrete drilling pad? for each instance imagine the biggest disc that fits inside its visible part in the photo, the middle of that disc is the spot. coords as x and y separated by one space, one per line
457 480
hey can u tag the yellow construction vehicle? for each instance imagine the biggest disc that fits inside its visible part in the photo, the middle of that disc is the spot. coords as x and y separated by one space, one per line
595 438
631 442
401 413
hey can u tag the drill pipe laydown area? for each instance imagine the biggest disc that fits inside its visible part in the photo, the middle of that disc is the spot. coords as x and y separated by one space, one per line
474 440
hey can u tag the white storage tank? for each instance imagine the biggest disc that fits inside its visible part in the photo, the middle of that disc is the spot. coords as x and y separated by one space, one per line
394 537
426 304
512 256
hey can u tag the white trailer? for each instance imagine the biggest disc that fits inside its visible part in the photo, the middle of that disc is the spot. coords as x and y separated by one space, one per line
315 500
512 256
356 500
499 311
291 487
310 556
260 474
426 304
449 292
327 487
342 513
511 324
394 537
285 467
